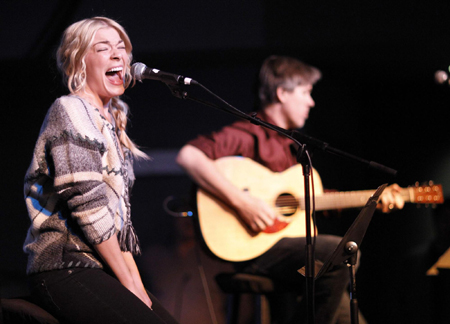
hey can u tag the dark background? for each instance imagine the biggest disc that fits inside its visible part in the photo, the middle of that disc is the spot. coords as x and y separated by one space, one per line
377 100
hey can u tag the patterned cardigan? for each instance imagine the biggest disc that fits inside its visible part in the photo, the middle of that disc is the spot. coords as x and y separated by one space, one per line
76 189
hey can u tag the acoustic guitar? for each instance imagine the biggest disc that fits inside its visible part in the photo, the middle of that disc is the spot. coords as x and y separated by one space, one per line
229 238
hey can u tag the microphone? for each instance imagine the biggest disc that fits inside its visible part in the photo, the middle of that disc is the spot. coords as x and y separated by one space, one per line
139 71
441 77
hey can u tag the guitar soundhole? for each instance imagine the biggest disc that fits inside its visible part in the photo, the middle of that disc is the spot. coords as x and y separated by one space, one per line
286 204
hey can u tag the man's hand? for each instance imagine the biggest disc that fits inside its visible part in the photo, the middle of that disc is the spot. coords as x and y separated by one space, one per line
391 199
255 213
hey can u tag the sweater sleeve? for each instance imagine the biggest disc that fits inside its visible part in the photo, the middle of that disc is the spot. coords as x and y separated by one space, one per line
74 156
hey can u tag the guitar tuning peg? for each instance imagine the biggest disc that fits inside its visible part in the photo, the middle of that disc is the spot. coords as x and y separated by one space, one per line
431 182
417 183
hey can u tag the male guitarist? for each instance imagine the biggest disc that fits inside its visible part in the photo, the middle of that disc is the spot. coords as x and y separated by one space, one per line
285 97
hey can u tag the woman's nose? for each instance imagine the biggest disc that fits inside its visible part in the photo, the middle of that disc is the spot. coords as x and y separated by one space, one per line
116 54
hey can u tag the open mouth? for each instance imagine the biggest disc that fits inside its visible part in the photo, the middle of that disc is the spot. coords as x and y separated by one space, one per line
114 75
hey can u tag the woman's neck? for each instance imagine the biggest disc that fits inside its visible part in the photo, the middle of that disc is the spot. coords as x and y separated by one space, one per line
97 102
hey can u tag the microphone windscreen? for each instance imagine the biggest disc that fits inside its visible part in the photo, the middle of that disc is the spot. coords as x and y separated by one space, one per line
136 71
440 76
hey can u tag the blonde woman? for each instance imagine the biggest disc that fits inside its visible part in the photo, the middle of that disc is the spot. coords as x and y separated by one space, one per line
81 241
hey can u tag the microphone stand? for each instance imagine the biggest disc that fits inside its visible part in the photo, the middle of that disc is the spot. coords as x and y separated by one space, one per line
347 249
303 158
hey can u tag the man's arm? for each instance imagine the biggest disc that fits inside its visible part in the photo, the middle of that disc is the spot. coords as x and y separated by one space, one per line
257 214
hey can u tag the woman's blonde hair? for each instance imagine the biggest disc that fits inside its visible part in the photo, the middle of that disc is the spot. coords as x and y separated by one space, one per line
75 44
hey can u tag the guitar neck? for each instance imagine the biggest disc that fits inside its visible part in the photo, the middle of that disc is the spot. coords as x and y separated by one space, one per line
350 199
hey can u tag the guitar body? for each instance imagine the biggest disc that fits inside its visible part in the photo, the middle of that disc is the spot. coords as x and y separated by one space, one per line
230 239
223 231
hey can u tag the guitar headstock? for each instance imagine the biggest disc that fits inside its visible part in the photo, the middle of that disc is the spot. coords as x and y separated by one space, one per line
427 194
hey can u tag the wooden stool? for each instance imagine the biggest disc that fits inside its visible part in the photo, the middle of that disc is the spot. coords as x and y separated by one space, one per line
236 284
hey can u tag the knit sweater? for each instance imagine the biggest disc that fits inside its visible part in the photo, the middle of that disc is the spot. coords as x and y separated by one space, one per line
76 189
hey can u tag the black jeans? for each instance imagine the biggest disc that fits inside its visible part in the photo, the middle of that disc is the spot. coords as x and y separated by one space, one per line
81 295
283 260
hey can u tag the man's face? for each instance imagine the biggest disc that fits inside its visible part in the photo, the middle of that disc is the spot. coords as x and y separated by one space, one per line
296 104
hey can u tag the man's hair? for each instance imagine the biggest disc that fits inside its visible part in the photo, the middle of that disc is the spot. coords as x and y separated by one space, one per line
285 72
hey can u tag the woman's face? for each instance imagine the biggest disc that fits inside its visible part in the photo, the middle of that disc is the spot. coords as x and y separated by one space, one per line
105 65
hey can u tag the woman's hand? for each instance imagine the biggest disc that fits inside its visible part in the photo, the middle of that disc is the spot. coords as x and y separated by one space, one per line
140 293
136 286
124 268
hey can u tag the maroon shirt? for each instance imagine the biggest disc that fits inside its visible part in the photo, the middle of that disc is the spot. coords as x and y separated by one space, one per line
243 138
